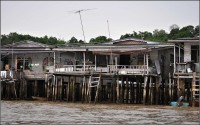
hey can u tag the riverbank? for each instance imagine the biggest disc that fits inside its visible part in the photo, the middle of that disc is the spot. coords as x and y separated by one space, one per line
47 112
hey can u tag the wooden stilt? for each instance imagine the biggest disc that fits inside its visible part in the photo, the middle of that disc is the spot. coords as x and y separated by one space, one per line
35 88
86 89
127 90
114 90
83 89
173 87
25 89
157 90
56 87
150 90
178 85
166 92
137 90
68 89
48 89
170 88
145 89
122 90
53 87
61 87
118 89
73 89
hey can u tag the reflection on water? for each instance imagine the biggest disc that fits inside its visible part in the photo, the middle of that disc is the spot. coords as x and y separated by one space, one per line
43 112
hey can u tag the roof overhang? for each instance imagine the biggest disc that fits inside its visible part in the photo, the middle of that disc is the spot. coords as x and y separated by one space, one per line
140 50
183 41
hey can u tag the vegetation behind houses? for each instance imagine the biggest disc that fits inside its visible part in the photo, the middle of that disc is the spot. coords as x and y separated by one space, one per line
157 35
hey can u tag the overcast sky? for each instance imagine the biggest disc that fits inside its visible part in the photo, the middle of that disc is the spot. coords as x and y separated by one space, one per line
52 18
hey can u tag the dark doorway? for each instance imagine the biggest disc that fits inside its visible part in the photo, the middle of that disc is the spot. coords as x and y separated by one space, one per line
5 61
41 88
124 60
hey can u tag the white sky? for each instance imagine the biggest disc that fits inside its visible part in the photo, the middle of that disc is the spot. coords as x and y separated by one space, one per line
52 18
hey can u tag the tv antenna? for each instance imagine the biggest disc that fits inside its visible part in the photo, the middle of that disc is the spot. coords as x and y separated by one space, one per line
108 29
79 12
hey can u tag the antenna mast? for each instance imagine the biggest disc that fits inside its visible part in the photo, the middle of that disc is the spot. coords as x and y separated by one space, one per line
108 29
82 25
79 12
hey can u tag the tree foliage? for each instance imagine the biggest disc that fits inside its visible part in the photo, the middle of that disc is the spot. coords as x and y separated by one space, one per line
162 36
15 37
73 40
157 35
100 39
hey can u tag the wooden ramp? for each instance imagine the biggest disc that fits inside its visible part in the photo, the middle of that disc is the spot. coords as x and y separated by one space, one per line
94 82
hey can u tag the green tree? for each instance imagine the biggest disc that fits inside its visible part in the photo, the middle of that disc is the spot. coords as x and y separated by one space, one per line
73 40
174 32
15 37
100 39
174 26
187 31
196 31
81 41
127 35
160 35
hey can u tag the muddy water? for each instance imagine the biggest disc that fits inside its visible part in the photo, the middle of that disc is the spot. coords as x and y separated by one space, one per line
42 112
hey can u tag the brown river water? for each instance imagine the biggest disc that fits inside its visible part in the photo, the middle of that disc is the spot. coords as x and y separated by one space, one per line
47 112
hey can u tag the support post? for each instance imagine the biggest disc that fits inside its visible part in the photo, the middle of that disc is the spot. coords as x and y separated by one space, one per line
157 89
95 58
145 89
83 61
150 90
174 58
147 62
127 90
118 89
170 88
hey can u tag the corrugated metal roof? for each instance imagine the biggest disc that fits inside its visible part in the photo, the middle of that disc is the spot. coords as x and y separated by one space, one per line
132 39
26 44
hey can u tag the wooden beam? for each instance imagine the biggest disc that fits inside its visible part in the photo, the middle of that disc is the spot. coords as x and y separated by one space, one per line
95 60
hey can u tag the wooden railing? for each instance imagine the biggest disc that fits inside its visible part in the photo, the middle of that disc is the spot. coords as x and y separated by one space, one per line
121 69
184 67
6 74
72 68
128 69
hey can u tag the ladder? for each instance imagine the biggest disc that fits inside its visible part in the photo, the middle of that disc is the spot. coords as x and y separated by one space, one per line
195 87
93 82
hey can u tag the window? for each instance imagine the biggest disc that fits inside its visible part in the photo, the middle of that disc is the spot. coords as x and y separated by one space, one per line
26 63
195 53
141 59
48 61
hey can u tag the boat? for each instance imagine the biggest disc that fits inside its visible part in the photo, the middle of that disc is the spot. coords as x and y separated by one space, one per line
185 104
